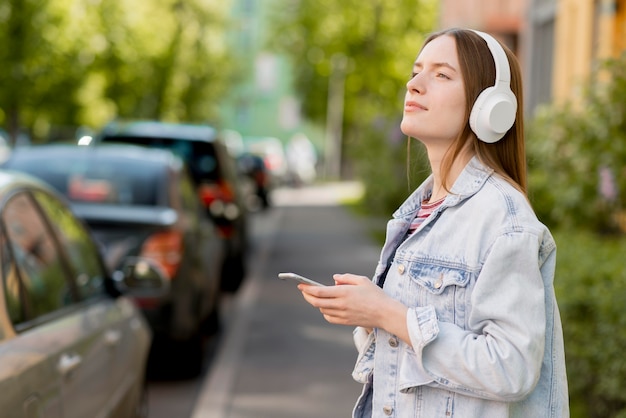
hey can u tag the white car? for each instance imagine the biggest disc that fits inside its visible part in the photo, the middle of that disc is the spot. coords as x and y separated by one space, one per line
71 343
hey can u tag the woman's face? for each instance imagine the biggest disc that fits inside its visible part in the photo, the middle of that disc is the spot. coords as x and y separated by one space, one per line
434 105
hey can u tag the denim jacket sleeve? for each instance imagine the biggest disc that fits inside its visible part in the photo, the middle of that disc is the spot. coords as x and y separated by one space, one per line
499 354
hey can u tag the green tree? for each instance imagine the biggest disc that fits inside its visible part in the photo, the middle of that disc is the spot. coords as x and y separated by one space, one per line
164 59
40 63
72 63
377 41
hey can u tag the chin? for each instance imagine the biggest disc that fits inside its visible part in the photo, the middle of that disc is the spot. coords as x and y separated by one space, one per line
407 129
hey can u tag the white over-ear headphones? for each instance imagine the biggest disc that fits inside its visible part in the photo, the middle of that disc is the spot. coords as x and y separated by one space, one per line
495 108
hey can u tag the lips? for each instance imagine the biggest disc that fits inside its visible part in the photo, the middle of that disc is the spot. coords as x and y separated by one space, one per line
410 106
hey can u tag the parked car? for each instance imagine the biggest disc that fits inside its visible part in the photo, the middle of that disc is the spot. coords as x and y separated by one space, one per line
272 151
141 202
215 175
71 343
257 180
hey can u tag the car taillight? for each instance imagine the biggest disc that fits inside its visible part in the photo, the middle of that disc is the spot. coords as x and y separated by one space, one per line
166 249
210 193
219 198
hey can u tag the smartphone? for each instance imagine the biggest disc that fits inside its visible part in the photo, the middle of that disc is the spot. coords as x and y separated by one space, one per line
298 278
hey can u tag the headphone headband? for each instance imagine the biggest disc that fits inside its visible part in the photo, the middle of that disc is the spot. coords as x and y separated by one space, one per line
503 73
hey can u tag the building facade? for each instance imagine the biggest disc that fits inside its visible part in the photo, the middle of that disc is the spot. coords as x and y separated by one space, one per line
558 42
587 32
504 19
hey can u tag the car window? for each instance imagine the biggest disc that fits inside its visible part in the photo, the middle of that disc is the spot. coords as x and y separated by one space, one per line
77 245
96 181
34 278
200 156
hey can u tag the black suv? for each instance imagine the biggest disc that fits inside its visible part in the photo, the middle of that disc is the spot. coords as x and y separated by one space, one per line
214 172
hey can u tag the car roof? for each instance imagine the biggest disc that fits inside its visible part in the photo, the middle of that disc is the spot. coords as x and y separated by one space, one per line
159 129
132 153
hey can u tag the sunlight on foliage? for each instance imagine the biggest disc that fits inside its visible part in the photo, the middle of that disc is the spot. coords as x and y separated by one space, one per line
379 41
76 62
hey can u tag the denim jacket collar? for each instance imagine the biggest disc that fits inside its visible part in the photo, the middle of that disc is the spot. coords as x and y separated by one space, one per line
471 179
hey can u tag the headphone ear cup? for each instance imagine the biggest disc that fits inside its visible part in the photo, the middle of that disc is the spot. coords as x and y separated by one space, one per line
493 113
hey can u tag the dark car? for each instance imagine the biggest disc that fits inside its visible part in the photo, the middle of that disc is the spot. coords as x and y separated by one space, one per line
257 180
141 202
71 343
215 175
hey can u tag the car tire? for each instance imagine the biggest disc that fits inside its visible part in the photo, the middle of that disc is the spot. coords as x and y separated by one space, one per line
212 324
233 273
191 353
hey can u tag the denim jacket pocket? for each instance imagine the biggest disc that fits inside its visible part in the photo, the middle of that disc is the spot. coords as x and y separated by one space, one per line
436 279
443 288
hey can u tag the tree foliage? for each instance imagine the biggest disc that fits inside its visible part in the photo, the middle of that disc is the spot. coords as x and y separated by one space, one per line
378 40
77 62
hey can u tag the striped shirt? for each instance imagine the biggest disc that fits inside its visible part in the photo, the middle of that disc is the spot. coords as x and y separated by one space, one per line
424 212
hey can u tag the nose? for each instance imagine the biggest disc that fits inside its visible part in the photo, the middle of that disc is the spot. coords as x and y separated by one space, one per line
415 85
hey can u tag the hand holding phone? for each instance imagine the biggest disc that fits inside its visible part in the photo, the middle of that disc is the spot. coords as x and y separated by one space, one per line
298 278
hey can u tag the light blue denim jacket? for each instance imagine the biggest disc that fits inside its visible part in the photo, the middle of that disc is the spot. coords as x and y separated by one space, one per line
483 320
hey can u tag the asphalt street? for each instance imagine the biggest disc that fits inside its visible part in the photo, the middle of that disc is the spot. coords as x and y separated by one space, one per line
277 356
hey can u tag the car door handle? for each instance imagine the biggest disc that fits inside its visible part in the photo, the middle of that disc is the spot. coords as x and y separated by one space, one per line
68 362
112 337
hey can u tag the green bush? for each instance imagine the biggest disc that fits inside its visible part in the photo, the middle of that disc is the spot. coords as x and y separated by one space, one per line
590 283
577 182
577 156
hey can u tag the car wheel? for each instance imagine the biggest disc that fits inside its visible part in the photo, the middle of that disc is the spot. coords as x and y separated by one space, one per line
191 353
233 273
212 324
265 199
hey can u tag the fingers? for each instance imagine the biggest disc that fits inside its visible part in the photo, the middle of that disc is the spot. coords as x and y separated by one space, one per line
314 298
347 278
341 304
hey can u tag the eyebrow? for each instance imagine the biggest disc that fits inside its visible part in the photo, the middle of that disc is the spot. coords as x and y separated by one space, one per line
436 65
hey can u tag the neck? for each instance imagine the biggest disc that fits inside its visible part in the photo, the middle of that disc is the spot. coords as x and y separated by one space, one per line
436 159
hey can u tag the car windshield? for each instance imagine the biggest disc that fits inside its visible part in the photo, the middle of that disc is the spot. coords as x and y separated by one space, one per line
199 156
100 180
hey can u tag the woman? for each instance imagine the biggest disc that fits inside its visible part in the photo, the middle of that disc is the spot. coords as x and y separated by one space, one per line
460 319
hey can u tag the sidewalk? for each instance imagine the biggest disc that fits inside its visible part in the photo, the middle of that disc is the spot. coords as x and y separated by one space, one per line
279 358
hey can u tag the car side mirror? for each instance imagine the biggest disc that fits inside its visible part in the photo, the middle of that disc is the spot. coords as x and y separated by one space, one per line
141 277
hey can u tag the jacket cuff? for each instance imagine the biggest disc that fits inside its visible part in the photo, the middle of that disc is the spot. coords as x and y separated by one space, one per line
422 325
364 365
360 336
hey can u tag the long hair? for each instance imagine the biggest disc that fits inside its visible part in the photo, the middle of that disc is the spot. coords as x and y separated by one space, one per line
507 157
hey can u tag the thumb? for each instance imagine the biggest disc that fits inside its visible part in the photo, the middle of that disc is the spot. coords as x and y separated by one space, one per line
347 278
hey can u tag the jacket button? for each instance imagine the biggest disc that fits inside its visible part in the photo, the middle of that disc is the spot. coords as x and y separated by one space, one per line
393 342
439 282
387 410
401 268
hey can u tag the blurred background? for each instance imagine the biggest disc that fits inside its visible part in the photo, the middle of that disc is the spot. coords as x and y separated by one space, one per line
316 88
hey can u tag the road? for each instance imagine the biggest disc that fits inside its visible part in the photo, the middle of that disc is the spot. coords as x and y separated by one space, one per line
276 356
